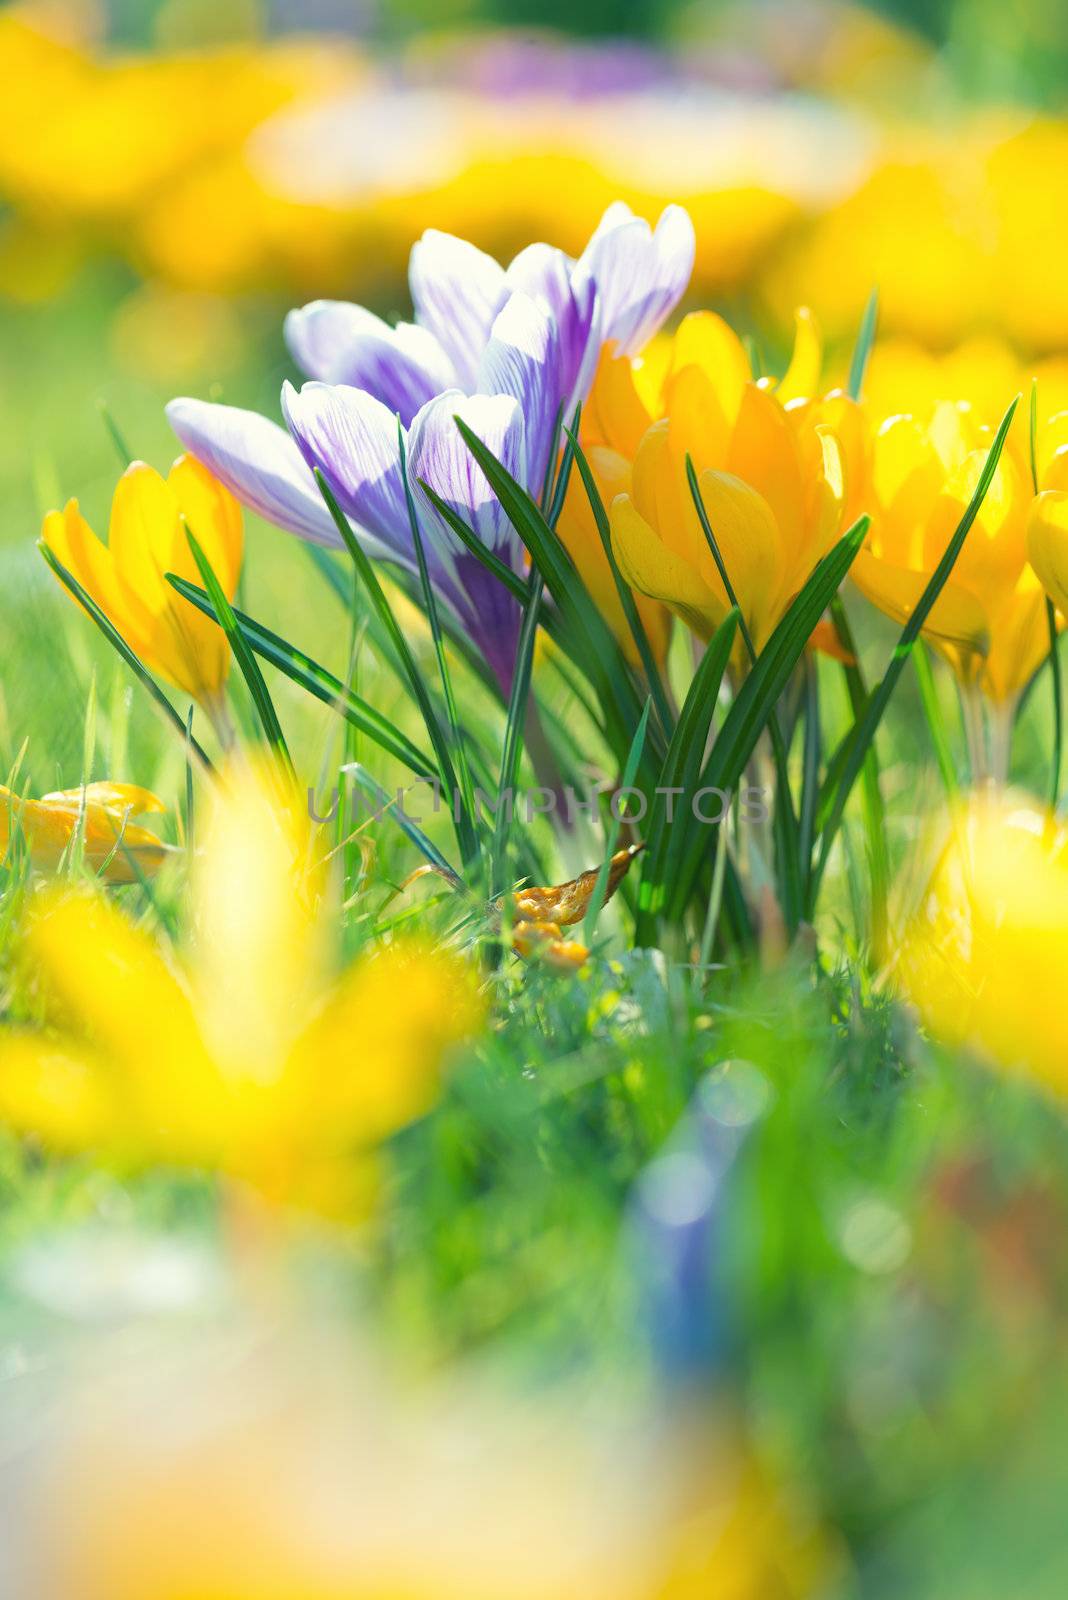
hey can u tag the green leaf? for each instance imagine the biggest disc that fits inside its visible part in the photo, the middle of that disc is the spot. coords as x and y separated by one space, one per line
118 643
513 731
321 683
764 684
464 830
671 821
386 804
585 636
786 832
880 698
246 661
935 721
467 536
874 813
630 772
858 366
626 598
466 797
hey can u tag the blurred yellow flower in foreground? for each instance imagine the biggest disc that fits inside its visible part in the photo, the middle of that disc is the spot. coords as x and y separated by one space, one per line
769 467
98 814
146 540
251 1059
985 956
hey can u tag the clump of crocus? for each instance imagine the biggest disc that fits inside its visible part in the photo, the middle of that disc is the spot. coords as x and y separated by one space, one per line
147 538
254 1058
769 473
96 817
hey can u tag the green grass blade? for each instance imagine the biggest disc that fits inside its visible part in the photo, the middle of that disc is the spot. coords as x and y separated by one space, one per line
430 603
386 805
512 746
670 819
301 669
115 434
623 590
880 697
786 831
764 684
118 643
873 810
246 660
858 366
383 610
585 636
935 721
630 772
492 562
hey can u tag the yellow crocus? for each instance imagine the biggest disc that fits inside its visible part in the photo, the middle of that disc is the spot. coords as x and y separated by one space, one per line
249 1057
916 475
984 958
100 812
769 469
577 527
146 540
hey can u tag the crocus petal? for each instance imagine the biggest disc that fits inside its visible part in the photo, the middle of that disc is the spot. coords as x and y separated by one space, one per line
522 359
212 515
258 462
641 273
547 276
336 342
749 544
438 457
650 567
956 618
352 439
457 290
1047 544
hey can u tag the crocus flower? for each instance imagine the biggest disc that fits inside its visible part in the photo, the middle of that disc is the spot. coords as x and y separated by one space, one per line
770 475
256 1061
916 478
111 845
146 540
984 957
509 350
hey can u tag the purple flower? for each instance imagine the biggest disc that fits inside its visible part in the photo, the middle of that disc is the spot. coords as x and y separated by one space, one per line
507 349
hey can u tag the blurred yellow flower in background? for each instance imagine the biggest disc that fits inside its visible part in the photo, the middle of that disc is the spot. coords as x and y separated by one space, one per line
95 816
146 540
984 958
770 472
253 1060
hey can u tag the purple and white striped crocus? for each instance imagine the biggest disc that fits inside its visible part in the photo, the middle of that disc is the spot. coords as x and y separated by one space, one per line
506 349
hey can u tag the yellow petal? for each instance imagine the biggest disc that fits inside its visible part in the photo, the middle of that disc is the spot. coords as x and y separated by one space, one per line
763 453
705 341
1047 544
615 414
215 519
750 545
581 538
119 798
143 535
106 979
50 1089
650 567
957 618
801 381
86 558
372 1061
